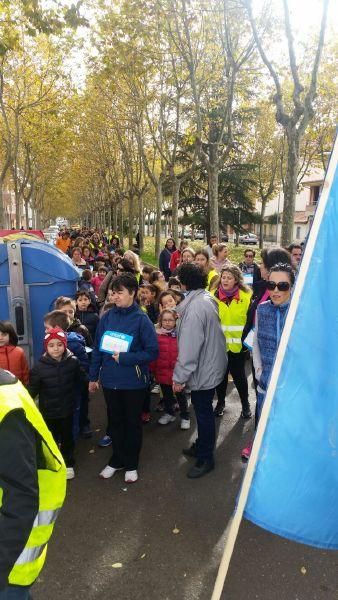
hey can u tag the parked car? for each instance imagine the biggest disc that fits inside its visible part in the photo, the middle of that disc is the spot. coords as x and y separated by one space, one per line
199 235
248 238
225 237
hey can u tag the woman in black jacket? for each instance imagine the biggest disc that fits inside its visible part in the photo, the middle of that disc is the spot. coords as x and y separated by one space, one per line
165 256
55 378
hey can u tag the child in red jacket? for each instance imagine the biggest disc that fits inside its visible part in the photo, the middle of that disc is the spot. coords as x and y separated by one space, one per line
163 369
12 357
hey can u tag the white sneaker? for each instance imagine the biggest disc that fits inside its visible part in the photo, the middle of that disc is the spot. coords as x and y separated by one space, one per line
70 473
156 389
166 418
131 476
108 472
185 423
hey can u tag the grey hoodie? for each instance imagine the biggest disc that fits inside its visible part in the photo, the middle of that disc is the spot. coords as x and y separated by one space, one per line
202 358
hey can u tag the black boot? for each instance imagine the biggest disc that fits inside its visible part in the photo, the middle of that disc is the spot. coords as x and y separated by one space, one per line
202 467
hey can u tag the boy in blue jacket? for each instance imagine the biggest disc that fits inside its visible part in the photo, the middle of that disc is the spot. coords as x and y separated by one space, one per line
125 344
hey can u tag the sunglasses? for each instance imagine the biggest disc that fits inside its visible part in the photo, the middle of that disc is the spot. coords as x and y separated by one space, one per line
282 286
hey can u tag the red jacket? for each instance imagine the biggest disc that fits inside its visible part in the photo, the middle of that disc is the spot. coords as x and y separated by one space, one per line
13 359
175 260
163 366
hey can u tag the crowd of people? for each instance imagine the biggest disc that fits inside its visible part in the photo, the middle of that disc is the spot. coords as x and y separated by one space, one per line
181 331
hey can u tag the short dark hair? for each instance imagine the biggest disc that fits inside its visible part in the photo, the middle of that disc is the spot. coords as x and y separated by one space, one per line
86 275
127 266
126 280
192 277
167 293
148 269
283 268
293 246
57 318
173 281
274 256
80 293
7 327
249 250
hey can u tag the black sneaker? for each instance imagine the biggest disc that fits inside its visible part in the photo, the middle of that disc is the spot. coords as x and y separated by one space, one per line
219 410
202 467
192 451
246 413
86 432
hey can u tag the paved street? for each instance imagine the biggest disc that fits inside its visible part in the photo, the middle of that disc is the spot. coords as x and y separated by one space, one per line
167 531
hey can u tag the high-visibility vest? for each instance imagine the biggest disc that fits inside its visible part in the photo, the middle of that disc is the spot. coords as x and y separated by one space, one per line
211 276
51 481
233 318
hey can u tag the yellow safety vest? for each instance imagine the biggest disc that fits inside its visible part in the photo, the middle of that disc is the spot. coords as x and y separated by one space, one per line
52 486
233 318
213 273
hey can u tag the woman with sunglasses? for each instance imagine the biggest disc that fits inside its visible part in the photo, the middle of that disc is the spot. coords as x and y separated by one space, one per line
270 319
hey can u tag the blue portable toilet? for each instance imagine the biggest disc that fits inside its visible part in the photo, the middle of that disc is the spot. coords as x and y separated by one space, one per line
32 275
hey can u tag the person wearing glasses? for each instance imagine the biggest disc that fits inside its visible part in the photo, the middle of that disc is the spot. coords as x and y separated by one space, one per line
270 320
250 270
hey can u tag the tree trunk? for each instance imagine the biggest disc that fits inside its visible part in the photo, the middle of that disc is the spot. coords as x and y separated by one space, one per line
2 207
261 225
213 170
130 222
17 211
290 188
26 214
159 200
175 199
120 227
141 222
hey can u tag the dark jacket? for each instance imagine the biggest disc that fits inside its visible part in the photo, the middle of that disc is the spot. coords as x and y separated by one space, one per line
77 327
19 482
164 262
132 370
56 383
77 345
256 271
89 319
259 290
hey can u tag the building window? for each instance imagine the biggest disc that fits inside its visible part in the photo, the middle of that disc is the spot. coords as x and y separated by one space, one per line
314 194
298 233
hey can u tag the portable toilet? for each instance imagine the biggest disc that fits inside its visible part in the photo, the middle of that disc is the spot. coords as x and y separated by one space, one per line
32 275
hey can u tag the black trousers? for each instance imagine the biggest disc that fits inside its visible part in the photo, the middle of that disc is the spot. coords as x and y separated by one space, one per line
62 431
236 366
125 426
169 401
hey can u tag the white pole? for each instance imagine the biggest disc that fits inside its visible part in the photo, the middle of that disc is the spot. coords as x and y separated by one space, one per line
242 500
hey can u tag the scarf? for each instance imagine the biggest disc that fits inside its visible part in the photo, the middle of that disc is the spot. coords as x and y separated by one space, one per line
228 295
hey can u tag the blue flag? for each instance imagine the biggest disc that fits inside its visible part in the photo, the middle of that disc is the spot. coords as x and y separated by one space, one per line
294 491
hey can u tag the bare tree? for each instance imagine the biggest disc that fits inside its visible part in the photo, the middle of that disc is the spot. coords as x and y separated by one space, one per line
295 120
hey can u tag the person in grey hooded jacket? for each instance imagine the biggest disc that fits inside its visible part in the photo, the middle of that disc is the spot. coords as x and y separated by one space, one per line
201 362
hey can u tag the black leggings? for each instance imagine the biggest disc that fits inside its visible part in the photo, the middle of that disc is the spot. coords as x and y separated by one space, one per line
125 426
236 366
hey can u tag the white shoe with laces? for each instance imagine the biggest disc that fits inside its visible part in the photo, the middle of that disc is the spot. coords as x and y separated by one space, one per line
70 473
108 472
131 476
166 418
185 423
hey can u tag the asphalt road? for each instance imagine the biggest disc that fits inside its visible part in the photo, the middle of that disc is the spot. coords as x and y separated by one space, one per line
166 532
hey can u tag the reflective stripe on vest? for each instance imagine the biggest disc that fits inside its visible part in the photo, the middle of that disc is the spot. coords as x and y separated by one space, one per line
46 517
51 481
233 318
30 554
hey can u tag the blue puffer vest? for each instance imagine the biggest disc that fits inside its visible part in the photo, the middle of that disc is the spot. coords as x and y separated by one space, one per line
271 321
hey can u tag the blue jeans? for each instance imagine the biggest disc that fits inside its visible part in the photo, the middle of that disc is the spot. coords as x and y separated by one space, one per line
206 430
15 592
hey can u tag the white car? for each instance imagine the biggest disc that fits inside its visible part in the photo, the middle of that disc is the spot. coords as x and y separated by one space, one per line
248 238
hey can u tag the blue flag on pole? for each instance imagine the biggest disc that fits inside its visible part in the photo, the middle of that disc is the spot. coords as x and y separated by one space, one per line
294 492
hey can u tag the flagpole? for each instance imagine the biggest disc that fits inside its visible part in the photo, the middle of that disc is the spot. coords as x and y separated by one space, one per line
236 519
